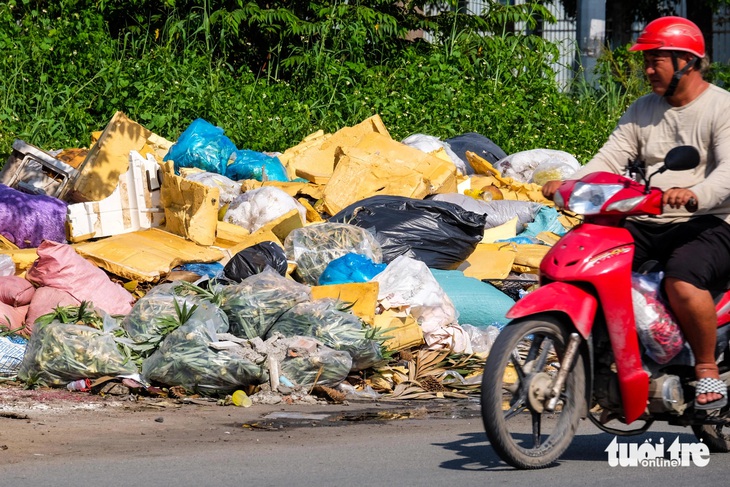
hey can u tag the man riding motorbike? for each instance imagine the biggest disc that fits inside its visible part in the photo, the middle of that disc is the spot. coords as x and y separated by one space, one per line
693 248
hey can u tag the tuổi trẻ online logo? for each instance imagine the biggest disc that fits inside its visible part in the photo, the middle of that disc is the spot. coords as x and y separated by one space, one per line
656 454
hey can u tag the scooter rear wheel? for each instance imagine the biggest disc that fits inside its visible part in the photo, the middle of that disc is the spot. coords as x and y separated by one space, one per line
523 360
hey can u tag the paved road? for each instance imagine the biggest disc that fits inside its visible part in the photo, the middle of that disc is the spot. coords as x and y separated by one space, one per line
306 446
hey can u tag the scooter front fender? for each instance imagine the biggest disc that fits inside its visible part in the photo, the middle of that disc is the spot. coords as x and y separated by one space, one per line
567 298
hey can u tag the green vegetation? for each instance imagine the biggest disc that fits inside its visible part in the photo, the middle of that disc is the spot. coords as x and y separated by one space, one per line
272 72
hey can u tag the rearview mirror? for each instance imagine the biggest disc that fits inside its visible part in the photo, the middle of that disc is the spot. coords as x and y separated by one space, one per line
682 158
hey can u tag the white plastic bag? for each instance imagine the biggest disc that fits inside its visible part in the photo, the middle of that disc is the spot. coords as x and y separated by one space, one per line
522 165
408 285
229 189
7 266
257 207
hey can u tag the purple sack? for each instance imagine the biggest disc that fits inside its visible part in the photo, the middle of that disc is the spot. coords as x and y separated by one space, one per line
26 220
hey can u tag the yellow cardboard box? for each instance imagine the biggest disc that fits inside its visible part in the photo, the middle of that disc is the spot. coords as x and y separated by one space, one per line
362 295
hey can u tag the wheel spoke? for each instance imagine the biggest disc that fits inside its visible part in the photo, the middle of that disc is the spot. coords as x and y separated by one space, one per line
543 356
518 366
536 423
532 353
517 407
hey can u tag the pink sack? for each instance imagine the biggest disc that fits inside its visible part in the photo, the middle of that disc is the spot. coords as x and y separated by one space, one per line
45 300
15 291
59 266
12 318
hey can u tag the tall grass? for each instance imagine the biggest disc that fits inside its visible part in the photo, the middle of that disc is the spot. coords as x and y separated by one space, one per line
272 73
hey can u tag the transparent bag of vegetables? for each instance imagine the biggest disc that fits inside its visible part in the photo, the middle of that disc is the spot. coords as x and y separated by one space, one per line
254 304
308 362
329 321
314 246
185 358
161 311
71 343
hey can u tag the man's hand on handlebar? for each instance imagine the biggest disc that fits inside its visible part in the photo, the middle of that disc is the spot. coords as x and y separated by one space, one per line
550 187
678 198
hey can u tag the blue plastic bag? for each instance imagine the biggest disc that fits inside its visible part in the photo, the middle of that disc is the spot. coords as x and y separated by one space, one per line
350 268
546 220
202 145
249 164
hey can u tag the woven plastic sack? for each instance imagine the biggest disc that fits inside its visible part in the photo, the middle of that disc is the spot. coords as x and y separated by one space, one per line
60 267
11 356
658 330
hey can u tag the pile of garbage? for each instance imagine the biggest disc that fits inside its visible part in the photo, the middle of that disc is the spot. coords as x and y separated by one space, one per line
351 265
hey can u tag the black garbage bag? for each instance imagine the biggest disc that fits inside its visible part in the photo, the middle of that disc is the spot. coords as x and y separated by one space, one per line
438 233
252 260
478 144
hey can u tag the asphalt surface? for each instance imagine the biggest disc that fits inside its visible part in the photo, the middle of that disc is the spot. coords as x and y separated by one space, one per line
364 443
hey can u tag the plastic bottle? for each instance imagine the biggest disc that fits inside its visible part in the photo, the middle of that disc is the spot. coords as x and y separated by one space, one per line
81 385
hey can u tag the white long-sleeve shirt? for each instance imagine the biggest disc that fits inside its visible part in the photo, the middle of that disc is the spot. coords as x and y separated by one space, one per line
651 127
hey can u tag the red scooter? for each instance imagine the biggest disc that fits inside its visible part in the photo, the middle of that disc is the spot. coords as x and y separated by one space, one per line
572 350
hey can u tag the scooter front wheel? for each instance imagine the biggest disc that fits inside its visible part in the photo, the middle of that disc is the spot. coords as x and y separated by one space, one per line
520 369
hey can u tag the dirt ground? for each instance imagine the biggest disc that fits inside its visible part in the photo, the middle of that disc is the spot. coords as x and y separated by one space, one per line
57 423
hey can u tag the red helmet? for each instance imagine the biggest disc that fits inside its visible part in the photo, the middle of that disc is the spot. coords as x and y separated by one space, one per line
671 34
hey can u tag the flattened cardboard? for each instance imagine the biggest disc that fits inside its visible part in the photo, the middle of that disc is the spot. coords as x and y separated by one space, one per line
490 261
361 175
7 244
146 255
439 173
229 234
362 295
191 208
511 189
504 231
283 226
529 256
402 328
23 259
314 157
382 166
292 188
108 159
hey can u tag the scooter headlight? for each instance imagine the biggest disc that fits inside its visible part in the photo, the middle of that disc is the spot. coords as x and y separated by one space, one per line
588 199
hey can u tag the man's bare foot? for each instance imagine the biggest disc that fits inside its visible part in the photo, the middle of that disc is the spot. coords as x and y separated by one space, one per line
709 371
